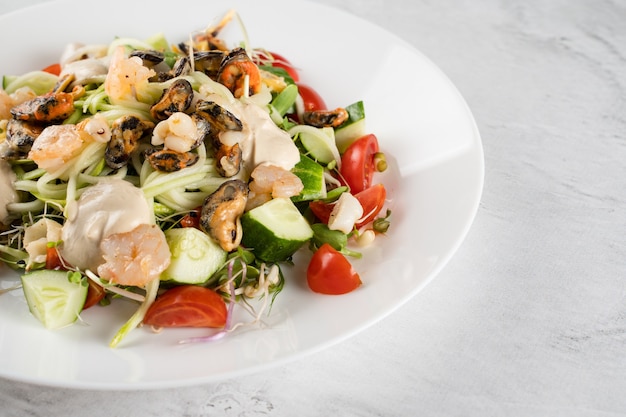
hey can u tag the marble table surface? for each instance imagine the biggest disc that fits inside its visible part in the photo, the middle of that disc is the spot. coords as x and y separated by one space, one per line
529 317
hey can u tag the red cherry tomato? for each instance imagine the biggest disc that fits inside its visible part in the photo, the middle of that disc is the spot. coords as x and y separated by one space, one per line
53 259
357 163
191 219
54 69
330 272
95 293
280 61
312 100
187 306
371 199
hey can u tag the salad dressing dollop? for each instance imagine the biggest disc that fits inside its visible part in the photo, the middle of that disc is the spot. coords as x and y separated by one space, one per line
7 191
110 206
261 140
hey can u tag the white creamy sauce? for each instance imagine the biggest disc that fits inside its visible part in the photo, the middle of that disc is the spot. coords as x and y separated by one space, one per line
261 141
110 206
7 191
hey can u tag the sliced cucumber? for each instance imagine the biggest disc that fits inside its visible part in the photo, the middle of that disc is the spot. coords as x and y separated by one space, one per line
40 82
53 298
347 135
195 256
285 99
312 176
353 128
159 42
275 230
7 80
318 142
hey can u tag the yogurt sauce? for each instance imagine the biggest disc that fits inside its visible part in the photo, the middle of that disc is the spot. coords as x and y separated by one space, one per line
111 206
261 141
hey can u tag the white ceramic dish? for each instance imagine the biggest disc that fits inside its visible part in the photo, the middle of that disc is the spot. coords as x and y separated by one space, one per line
435 183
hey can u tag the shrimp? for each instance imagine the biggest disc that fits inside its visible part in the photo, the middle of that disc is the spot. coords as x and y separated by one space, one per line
179 132
235 70
98 127
135 257
56 145
270 181
125 76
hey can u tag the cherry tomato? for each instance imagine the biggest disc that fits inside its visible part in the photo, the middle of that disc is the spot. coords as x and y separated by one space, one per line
330 272
312 100
54 69
95 293
372 200
357 163
53 259
187 306
280 61
191 219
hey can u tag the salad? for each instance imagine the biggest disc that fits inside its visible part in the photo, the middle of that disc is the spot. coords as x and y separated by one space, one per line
182 177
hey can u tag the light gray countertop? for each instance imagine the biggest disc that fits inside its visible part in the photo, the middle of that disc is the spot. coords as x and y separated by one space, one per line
529 317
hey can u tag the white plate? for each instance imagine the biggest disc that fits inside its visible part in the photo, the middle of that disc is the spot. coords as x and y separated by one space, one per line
435 183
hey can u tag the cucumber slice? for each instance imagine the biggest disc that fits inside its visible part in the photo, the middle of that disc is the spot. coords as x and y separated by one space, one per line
347 135
275 230
312 176
285 99
40 82
7 80
159 42
318 142
53 298
353 128
195 256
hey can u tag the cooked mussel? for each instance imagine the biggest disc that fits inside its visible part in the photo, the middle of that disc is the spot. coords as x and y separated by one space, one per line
220 216
168 160
20 137
235 68
176 98
125 135
325 118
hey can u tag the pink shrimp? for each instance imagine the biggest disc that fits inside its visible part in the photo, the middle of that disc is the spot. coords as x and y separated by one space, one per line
56 145
126 76
135 257
270 181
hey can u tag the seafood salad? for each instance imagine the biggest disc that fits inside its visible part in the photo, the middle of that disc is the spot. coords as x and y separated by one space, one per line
180 177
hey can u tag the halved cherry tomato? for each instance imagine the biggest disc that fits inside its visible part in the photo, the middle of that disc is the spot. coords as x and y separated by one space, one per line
357 163
95 293
371 199
330 272
187 306
312 100
54 69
